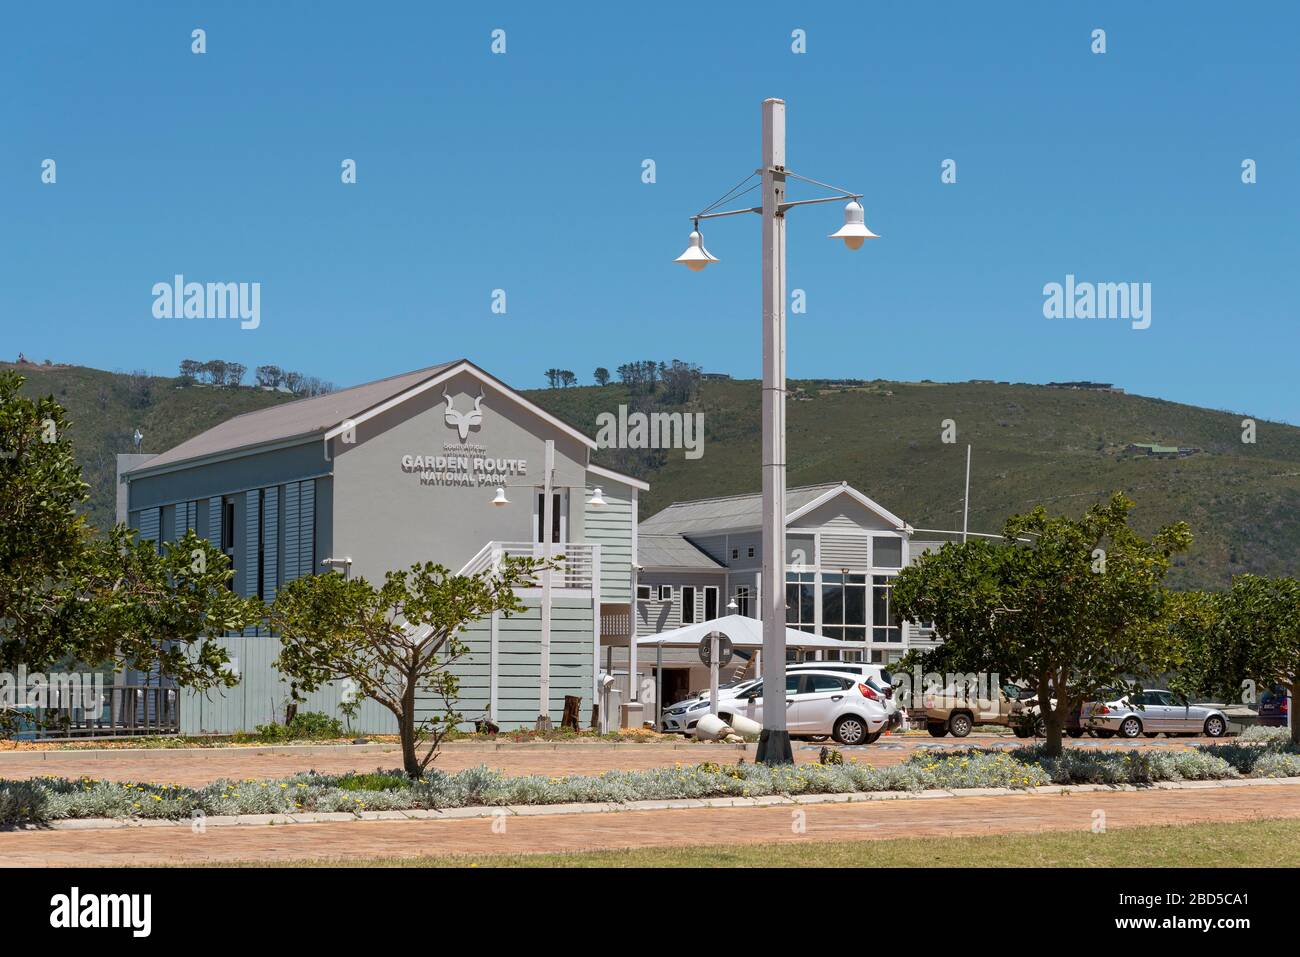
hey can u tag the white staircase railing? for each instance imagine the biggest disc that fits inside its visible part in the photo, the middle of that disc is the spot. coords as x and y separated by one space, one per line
576 561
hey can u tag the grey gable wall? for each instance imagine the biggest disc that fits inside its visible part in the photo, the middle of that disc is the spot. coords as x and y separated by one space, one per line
384 518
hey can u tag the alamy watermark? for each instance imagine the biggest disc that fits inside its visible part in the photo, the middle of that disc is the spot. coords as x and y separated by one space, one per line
179 299
55 689
933 689
1102 300
651 430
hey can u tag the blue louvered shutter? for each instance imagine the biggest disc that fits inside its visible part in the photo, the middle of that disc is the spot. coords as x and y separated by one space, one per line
291 536
214 521
191 515
270 543
252 517
307 528
150 520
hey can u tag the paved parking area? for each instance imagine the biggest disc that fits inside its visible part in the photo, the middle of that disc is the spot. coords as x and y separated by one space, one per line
199 766
942 817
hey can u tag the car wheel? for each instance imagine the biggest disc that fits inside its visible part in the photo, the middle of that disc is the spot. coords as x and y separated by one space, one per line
936 730
1215 726
959 725
1020 731
1074 732
850 729
1130 728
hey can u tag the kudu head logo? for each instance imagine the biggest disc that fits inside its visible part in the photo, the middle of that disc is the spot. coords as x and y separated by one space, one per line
462 422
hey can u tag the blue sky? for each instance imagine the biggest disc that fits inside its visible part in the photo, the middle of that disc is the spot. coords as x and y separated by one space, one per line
523 172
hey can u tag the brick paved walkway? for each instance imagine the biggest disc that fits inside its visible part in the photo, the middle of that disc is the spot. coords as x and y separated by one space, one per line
200 766
946 817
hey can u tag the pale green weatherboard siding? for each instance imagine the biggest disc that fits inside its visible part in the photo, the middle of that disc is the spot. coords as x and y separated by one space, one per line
610 527
519 672
261 694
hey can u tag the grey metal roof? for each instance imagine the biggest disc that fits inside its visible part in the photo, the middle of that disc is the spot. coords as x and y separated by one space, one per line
671 551
730 512
292 419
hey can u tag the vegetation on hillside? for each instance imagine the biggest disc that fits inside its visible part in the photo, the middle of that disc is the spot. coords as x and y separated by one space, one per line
105 408
1061 447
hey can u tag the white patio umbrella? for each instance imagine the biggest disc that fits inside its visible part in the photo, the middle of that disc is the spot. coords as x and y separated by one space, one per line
744 632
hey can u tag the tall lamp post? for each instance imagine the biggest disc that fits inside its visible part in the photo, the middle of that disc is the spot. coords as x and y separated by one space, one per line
774 742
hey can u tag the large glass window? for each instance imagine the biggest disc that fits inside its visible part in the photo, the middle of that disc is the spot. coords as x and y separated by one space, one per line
801 601
844 606
886 628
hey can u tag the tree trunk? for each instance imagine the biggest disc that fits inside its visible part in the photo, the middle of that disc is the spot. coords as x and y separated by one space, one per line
570 717
1053 718
1291 718
406 731
1053 725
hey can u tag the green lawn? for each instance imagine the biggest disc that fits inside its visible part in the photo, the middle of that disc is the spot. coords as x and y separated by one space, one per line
1272 843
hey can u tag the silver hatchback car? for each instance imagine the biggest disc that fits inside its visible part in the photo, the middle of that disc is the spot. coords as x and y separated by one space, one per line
1152 712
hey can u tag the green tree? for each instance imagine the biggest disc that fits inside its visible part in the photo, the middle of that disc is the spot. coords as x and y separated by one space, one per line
394 643
161 609
1067 606
42 538
1243 641
601 375
69 597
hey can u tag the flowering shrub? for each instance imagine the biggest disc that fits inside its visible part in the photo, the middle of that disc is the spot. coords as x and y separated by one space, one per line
52 799
1077 766
1261 734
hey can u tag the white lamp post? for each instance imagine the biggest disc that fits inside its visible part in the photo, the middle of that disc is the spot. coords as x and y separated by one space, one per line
774 742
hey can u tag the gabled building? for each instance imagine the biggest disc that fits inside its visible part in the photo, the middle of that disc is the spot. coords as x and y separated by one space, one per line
843 550
393 472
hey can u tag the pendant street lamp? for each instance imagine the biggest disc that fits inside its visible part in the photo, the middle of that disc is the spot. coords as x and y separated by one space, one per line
774 742
696 256
854 232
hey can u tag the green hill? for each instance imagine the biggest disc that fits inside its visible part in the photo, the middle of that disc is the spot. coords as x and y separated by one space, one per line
1061 447
105 408
1064 448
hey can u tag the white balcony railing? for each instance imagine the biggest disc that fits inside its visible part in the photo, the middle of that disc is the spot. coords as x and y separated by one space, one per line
576 569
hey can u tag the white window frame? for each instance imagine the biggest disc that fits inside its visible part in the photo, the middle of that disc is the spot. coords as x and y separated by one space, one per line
717 598
665 592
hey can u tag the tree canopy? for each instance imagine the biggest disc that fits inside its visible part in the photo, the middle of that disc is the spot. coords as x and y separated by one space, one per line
67 596
394 643
1066 606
